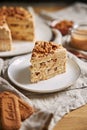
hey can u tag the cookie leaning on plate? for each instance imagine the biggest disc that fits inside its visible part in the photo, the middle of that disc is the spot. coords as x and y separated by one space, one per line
25 109
12 110
20 22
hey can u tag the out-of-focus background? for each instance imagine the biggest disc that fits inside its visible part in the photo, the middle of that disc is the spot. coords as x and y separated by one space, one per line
49 5
41 1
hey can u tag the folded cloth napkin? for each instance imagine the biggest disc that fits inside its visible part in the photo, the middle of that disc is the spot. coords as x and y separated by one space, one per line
38 121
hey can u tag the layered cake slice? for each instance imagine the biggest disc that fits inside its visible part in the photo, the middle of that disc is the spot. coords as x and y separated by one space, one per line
20 22
47 60
5 36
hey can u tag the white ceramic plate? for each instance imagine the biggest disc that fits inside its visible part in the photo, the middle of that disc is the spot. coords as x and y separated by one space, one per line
18 73
42 32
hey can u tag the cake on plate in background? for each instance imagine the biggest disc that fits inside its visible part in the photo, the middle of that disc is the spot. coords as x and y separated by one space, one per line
19 21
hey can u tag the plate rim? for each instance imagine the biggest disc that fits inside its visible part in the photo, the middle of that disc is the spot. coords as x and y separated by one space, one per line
38 91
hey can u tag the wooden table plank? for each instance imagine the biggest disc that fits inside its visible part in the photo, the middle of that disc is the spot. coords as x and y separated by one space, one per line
75 120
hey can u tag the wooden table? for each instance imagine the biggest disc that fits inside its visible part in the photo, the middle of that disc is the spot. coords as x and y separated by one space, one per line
75 120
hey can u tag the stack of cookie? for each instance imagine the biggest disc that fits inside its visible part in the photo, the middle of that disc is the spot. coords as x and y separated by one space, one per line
13 111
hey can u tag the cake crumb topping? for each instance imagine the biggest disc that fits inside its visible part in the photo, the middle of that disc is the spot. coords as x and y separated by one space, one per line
44 48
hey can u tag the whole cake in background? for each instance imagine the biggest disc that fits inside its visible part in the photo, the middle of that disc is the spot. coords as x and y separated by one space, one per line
48 59
19 21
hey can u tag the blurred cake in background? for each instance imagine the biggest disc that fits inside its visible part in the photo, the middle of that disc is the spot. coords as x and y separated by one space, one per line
5 35
20 22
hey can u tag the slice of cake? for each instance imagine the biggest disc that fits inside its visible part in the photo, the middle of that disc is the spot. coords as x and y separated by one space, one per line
47 60
20 22
5 36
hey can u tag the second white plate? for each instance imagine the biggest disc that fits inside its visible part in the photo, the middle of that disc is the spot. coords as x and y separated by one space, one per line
18 73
